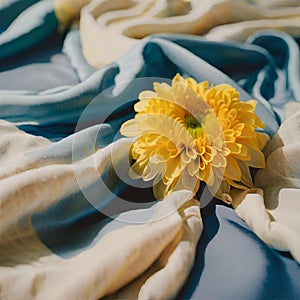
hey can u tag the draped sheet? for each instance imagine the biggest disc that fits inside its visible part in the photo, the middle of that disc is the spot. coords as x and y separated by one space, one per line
120 24
72 229
162 245
272 210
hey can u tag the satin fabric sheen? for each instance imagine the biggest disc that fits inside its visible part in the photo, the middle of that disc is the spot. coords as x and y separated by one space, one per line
231 261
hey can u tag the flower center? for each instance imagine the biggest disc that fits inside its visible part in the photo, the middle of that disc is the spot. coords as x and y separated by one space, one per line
194 125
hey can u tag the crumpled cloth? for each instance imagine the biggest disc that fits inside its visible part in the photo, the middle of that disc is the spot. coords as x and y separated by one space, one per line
272 209
155 257
24 23
109 28
46 228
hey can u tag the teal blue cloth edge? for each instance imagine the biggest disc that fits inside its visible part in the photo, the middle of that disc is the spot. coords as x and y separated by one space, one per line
35 24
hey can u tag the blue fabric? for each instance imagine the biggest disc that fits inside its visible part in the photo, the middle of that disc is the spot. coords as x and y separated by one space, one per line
42 68
284 51
231 262
28 29
10 9
152 57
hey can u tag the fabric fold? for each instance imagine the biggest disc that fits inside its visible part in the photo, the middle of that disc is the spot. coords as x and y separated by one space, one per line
165 277
119 257
65 106
73 225
272 210
162 250
121 24
32 26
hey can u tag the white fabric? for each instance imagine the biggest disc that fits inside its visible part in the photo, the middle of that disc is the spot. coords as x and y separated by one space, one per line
273 210
108 28
159 253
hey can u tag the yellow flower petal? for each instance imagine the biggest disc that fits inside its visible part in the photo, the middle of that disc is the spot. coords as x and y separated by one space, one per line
189 132
232 169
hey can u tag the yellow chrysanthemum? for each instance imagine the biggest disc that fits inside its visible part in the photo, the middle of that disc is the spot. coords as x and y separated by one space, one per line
191 132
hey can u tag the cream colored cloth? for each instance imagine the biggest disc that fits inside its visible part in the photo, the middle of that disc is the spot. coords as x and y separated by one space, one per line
68 10
108 28
144 261
273 209
153 258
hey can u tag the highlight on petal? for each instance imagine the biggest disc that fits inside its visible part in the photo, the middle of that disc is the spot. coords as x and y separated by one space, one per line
188 133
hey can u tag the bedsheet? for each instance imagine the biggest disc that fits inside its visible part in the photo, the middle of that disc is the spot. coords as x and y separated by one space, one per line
70 221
